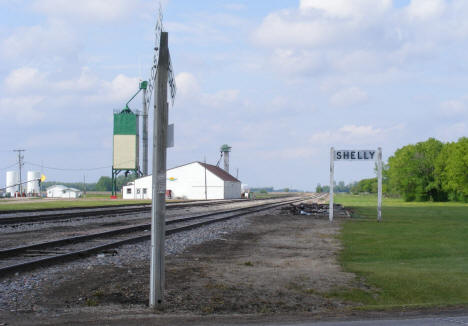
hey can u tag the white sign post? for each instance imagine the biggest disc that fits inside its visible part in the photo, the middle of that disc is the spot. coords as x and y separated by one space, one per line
357 155
332 173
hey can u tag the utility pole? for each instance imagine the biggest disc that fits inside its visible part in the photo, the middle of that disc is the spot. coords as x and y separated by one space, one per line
158 212
379 184
206 188
145 134
137 158
332 181
40 183
84 185
20 165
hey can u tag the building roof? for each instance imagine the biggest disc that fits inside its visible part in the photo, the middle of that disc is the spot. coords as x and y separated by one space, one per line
62 187
220 173
216 170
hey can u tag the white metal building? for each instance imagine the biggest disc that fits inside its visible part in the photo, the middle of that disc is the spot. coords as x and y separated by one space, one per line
60 191
188 182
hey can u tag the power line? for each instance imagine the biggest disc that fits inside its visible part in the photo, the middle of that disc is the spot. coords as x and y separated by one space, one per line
62 169
10 166
19 184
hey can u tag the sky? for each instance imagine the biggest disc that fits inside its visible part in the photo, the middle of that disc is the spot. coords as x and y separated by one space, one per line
280 81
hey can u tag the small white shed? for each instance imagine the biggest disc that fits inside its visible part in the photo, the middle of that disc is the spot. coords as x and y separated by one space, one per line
188 182
60 191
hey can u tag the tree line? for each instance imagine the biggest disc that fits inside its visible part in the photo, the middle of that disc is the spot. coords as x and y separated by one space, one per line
426 171
104 183
337 187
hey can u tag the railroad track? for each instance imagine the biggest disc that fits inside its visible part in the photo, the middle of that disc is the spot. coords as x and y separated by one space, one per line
56 251
100 211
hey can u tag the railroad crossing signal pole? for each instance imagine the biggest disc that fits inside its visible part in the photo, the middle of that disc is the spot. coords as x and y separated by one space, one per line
158 212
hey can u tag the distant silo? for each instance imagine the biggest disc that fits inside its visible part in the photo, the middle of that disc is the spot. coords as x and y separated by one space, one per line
12 182
225 149
33 182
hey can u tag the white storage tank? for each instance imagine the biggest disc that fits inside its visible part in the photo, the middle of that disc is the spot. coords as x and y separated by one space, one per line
12 183
33 183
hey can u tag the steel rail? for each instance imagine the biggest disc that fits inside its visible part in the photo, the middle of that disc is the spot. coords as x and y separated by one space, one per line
6 212
46 261
89 212
171 203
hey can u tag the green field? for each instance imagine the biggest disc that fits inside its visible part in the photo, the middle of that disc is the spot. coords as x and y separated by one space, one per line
68 203
417 257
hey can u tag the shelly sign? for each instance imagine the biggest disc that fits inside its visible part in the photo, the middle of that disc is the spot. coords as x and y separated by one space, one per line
355 155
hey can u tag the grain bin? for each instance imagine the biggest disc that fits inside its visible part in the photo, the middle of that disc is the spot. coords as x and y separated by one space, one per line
33 183
12 182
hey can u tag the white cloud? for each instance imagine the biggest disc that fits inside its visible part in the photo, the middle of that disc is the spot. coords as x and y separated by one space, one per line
360 36
189 91
187 85
425 9
319 23
206 29
290 61
59 98
235 6
51 40
56 139
119 90
360 131
220 99
87 10
289 153
346 8
24 79
348 97
87 81
23 109
286 29
456 108
452 132
355 135
32 80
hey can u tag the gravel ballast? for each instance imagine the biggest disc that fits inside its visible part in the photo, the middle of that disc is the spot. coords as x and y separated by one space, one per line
22 291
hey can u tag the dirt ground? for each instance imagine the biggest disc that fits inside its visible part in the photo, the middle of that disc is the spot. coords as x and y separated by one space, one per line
278 264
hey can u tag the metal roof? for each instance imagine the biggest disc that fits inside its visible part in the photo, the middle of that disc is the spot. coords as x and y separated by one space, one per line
216 170
62 187
220 173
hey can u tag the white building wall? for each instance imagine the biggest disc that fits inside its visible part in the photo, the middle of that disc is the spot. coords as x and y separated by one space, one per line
232 190
139 189
187 181
63 192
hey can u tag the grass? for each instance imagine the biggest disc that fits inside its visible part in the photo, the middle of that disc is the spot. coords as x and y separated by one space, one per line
68 203
418 255
92 199
260 195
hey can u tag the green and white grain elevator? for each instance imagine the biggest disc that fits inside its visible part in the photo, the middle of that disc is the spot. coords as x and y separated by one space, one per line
126 142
